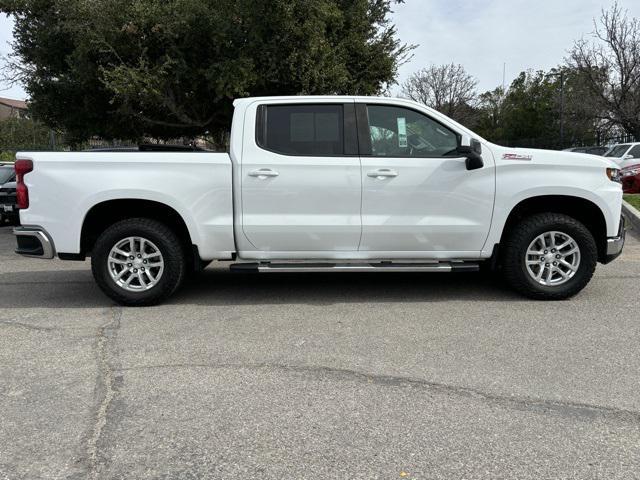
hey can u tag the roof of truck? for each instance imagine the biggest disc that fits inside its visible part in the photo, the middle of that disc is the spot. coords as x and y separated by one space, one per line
245 102
325 98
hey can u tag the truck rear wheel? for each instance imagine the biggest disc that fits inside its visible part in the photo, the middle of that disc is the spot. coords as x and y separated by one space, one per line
138 262
549 256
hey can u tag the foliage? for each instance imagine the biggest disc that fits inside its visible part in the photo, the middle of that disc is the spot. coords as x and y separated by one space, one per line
529 113
489 120
22 133
170 68
7 156
529 110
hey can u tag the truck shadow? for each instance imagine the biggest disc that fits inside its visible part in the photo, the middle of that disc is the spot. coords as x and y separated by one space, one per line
225 288
217 286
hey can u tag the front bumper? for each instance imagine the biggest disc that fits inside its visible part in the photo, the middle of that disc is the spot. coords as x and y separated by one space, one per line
34 242
615 244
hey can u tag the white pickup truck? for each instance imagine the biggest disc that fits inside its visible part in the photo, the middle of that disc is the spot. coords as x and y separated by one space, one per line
316 184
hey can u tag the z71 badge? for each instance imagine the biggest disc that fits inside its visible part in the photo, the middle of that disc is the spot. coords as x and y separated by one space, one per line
516 156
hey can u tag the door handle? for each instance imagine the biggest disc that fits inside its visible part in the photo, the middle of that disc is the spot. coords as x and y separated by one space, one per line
382 173
263 173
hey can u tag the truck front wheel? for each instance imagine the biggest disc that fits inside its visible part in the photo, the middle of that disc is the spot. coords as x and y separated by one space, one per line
138 262
549 256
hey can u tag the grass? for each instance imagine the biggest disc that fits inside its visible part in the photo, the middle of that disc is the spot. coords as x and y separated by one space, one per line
7 156
633 200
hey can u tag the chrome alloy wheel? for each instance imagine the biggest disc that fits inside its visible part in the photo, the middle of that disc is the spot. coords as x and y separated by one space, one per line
553 258
135 264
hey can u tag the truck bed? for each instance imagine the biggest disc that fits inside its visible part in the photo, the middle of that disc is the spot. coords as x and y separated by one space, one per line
65 186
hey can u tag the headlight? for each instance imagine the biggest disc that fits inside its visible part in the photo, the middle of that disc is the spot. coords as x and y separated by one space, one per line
614 174
630 172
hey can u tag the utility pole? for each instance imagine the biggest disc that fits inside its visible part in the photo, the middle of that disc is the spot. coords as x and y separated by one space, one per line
561 75
561 109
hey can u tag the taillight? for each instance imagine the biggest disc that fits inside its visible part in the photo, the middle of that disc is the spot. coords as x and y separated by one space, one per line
22 192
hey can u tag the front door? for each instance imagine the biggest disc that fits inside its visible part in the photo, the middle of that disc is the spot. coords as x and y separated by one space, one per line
301 180
418 195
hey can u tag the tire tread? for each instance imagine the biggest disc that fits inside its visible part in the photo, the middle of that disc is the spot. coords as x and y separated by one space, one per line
174 258
521 236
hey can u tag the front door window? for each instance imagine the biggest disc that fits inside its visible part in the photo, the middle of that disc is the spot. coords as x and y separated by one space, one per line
401 132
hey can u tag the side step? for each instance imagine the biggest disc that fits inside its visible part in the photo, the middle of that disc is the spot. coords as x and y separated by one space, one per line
356 267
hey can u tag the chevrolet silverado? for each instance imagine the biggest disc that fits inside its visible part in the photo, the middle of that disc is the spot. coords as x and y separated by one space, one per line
320 184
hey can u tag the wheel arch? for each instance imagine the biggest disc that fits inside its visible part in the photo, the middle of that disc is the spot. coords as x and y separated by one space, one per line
582 209
104 214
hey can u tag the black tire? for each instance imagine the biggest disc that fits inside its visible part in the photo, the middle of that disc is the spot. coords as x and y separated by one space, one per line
164 238
520 237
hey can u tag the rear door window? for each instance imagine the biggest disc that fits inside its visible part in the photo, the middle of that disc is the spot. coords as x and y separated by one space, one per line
307 130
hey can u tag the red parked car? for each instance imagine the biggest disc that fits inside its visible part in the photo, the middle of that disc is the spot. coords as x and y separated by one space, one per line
631 178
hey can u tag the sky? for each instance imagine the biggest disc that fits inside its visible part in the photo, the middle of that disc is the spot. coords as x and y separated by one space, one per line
482 35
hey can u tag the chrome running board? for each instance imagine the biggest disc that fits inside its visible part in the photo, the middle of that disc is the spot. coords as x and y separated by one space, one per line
442 267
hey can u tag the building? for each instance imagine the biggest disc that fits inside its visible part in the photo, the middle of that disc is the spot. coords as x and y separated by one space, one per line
10 108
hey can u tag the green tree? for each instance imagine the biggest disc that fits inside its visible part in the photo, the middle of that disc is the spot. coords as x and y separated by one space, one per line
582 113
489 118
22 134
530 112
168 68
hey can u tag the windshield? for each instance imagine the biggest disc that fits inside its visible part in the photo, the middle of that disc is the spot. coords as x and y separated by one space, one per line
6 174
617 151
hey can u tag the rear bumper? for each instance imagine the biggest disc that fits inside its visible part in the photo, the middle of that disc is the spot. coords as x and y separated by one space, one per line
11 215
34 242
631 184
615 244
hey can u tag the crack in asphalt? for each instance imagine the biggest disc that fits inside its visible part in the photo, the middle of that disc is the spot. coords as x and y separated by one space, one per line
105 387
538 405
27 326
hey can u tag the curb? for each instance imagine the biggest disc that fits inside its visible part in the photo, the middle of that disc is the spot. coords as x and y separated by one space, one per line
632 215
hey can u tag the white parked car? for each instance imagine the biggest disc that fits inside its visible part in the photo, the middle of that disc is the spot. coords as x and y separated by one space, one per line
325 184
624 154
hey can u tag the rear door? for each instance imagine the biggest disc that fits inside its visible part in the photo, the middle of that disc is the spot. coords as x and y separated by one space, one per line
301 180
418 196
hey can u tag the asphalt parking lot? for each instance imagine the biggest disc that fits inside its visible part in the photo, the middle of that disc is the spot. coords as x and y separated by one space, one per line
317 376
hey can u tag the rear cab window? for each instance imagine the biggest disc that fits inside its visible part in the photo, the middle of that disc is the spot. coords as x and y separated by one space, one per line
302 129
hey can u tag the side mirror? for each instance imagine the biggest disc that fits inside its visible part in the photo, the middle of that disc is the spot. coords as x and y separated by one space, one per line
474 161
628 157
472 149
